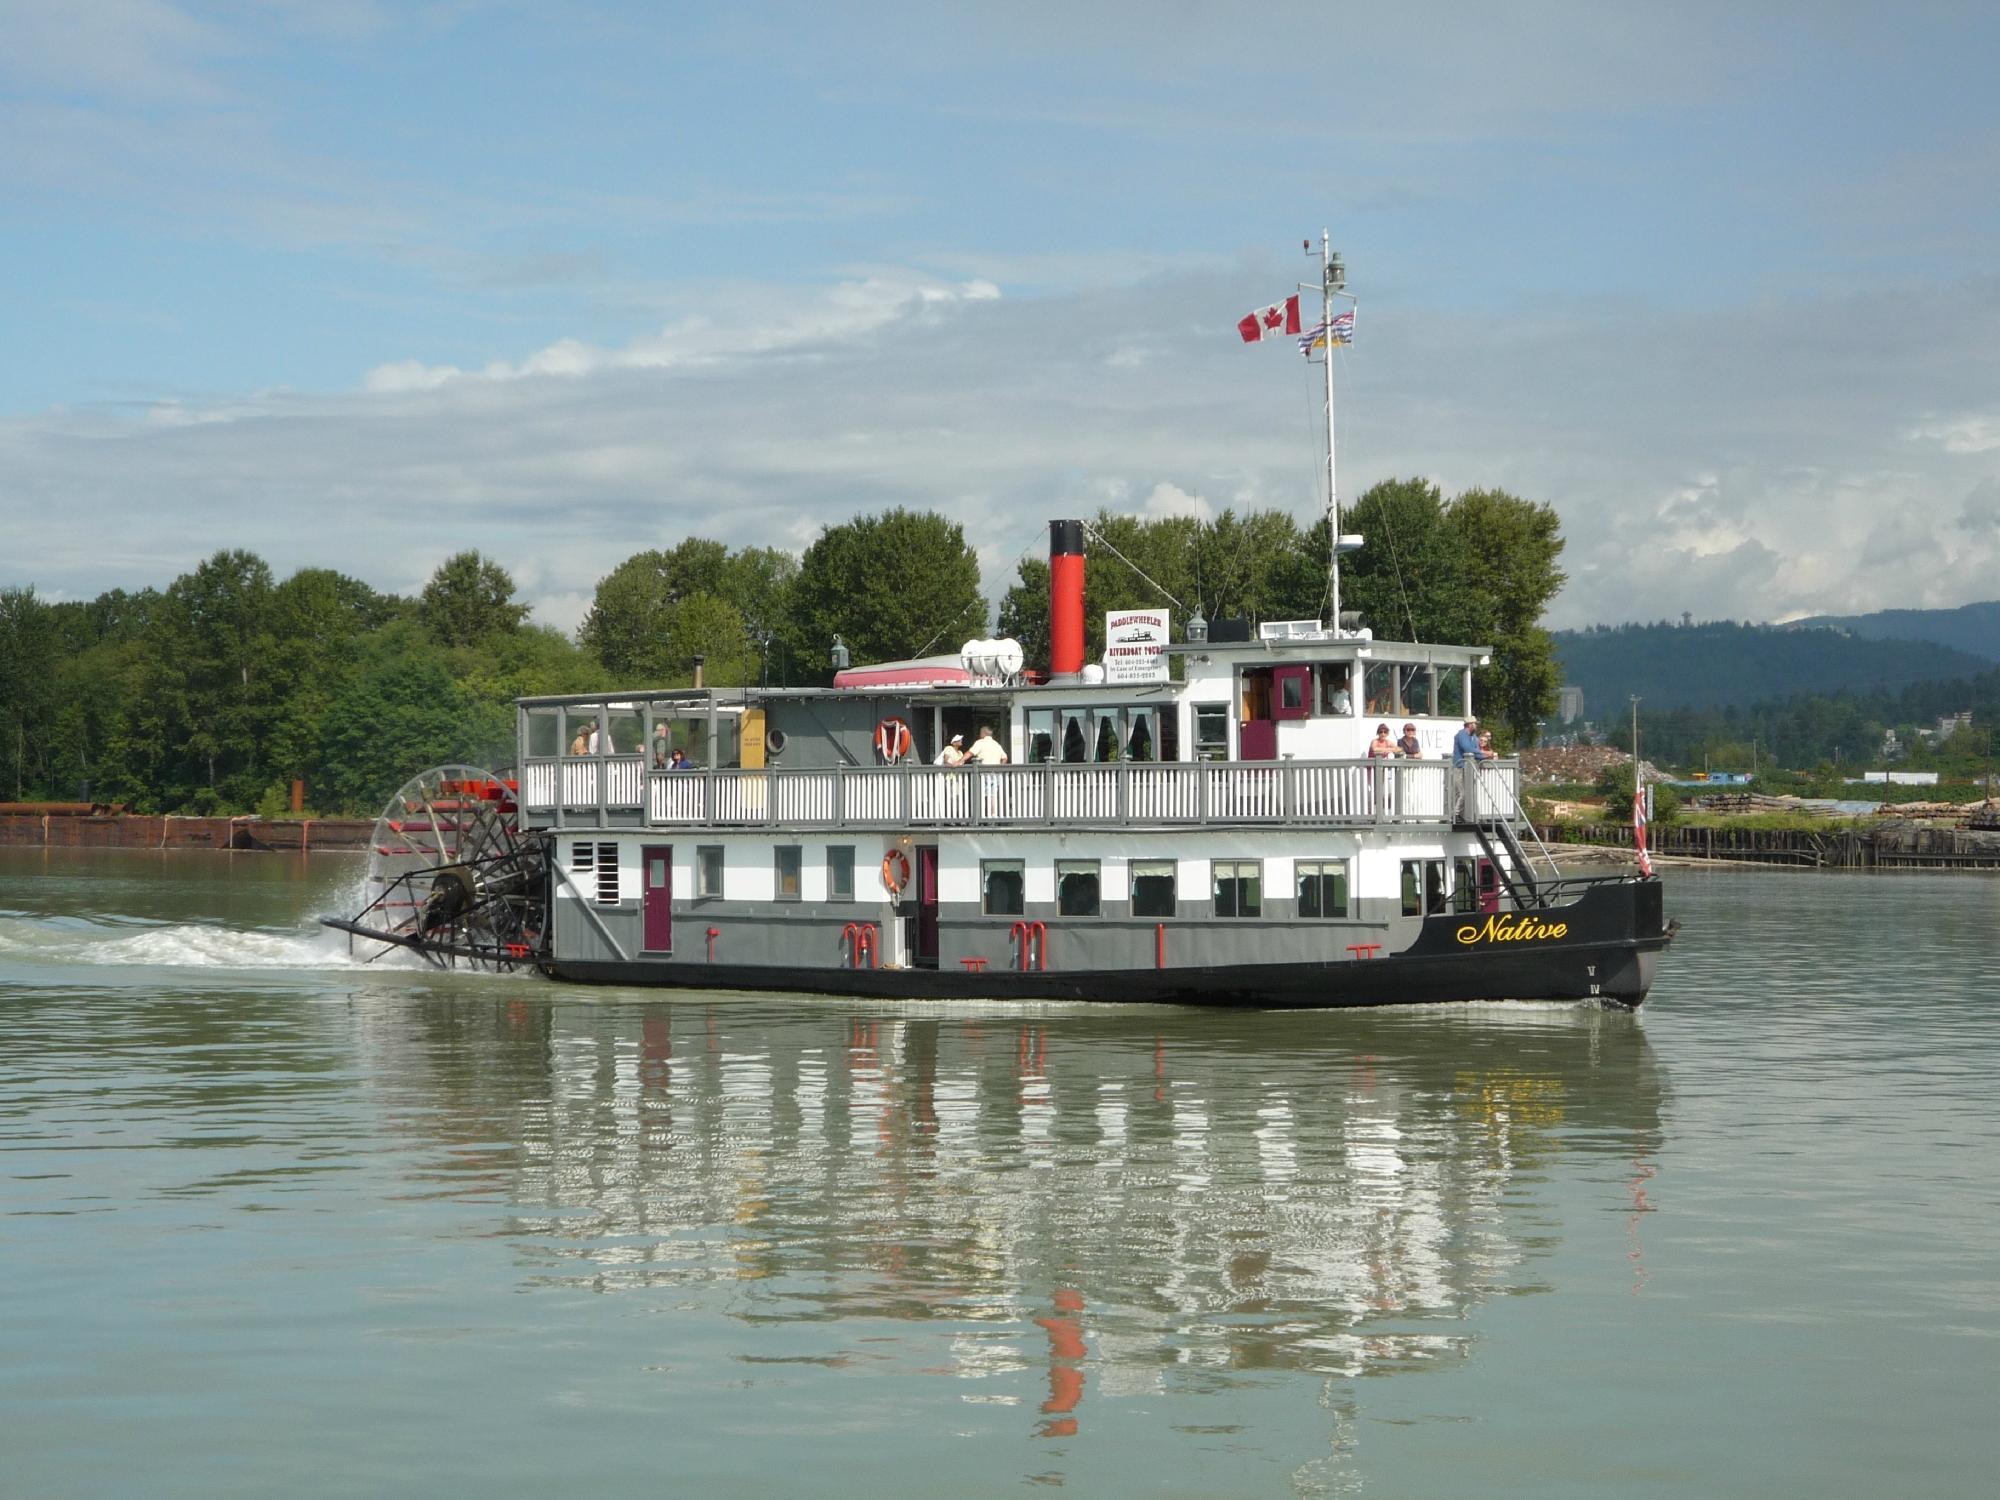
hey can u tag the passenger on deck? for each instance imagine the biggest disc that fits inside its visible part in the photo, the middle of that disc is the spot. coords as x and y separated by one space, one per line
986 750
1486 751
1465 744
1381 747
953 753
1408 746
584 735
1333 694
678 761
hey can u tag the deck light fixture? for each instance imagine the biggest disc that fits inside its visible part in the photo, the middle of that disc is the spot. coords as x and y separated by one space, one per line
840 656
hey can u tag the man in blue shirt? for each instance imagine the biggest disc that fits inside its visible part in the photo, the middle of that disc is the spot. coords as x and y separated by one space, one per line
1465 744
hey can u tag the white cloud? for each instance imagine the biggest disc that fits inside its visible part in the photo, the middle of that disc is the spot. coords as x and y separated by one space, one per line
1750 473
846 310
1976 433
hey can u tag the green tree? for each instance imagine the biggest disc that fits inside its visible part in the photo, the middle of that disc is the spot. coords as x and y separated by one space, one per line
469 599
898 585
30 648
1253 566
213 648
399 712
656 611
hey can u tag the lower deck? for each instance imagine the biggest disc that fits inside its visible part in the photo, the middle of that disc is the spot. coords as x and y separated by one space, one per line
994 902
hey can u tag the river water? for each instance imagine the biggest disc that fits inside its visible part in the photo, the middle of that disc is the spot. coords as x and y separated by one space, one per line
272 1222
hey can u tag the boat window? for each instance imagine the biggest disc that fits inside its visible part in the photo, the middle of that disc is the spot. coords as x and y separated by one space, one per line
1152 888
1464 885
1107 735
1041 735
1077 887
1073 742
1416 688
1423 887
1140 743
1001 886
1292 692
1451 692
1211 731
1379 689
544 734
1239 888
708 870
840 872
1169 721
1322 887
788 860
1335 695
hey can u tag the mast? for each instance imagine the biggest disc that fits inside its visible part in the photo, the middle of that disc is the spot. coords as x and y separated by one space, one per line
1332 471
1332 284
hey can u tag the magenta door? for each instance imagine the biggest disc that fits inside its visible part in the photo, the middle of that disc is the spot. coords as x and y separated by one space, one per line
659 863
1291 692
1257 739
927 904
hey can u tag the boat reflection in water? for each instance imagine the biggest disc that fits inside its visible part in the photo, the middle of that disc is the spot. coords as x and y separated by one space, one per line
1057 1211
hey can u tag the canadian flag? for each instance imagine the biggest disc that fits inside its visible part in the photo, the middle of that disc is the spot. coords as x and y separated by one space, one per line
1275 321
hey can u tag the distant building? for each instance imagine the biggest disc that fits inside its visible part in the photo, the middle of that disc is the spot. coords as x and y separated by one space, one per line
1892 748
1569 703
1900 778
1947 726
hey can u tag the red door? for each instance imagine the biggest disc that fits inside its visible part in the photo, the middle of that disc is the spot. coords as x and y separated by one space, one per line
659 862
1489 887
1291 692
927 904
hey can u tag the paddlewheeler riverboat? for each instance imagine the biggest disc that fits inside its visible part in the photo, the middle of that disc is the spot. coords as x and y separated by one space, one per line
1194 820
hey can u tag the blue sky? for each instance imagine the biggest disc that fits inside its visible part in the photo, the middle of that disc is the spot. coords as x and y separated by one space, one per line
358 284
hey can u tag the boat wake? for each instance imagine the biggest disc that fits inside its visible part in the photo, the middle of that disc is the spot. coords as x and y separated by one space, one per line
180 945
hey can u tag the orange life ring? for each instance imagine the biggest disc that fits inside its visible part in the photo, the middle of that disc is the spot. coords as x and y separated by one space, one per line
892 740
895 871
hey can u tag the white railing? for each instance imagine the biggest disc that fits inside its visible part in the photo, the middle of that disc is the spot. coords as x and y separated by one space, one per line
581 783
538 784
1173 794
625 781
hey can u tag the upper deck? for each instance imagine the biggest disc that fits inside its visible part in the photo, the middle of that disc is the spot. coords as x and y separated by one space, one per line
1270 731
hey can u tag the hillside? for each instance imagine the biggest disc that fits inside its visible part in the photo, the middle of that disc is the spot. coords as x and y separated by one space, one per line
1970 627
1722 664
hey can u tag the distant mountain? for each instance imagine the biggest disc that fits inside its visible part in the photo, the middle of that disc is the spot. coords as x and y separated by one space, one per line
1970 627
1722 663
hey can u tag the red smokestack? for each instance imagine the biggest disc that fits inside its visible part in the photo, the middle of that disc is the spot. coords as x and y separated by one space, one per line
1065 598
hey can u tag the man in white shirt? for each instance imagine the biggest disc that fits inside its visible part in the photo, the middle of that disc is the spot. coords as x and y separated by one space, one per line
986 750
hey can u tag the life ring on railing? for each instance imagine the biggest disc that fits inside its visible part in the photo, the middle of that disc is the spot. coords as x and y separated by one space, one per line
892 741
895 871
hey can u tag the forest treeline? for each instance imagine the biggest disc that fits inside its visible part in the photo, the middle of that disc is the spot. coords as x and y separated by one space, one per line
1827 732
1701 664
214 693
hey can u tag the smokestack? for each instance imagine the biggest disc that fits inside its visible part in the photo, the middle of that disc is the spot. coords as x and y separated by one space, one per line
1065 598
698 661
